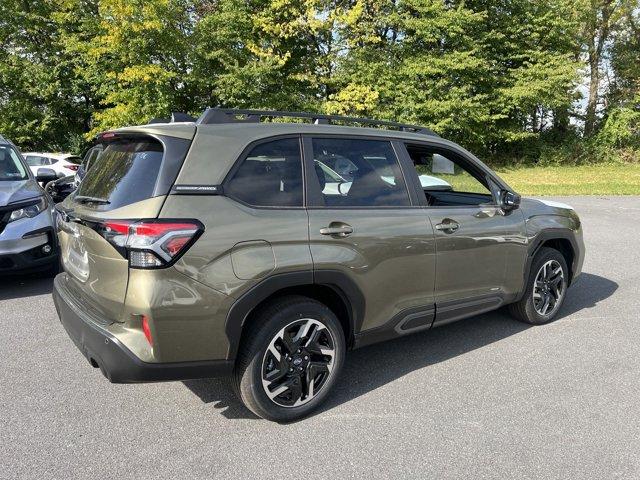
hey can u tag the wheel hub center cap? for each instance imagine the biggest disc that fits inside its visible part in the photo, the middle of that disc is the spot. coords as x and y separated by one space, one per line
297 361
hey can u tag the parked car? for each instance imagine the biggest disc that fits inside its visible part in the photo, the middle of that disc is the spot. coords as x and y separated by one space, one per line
61 188
27 236
64 164
213 247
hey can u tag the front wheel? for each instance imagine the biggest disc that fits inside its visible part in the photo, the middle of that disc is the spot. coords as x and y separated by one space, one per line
290 362
545 290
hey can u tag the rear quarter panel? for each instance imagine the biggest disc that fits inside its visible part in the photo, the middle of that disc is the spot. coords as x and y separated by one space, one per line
241 245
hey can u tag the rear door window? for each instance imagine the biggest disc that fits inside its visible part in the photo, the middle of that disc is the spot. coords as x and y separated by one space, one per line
269 176
126 172
358 173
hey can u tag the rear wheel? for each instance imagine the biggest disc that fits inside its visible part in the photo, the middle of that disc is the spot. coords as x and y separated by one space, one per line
545 290
291 360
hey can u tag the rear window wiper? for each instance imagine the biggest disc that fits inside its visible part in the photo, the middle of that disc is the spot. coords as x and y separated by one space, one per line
86 199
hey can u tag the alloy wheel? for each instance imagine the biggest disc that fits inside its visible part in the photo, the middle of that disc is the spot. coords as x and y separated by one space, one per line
548 288
298 362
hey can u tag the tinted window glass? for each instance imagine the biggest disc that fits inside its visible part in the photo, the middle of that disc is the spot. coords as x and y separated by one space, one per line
359 173
11 167
447 178
125 173
439 167
270 175
90 156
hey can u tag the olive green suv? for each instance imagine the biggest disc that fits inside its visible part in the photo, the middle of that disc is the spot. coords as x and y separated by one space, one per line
265 250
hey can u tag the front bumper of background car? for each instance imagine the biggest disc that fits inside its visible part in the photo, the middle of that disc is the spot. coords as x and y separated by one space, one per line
28 244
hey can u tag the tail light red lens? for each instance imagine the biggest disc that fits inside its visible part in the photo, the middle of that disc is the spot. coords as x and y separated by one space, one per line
72 167
146 329
151 243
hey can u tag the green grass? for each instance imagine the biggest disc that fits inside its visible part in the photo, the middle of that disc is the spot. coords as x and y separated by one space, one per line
599 179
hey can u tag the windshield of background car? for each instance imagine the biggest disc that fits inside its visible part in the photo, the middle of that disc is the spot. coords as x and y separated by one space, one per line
11 166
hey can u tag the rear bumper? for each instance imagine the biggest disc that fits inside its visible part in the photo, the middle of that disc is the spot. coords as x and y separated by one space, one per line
117 362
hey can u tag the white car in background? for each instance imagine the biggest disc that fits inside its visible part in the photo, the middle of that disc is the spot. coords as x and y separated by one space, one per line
64 164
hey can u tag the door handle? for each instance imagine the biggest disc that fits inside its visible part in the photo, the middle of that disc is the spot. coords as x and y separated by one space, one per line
337 229
448 226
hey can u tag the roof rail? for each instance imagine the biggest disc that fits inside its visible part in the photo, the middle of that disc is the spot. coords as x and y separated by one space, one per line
230 115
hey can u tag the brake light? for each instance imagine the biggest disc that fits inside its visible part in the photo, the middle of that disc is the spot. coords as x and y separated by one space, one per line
72 167
151 243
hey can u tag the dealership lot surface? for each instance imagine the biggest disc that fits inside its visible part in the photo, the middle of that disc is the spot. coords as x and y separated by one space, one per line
487 397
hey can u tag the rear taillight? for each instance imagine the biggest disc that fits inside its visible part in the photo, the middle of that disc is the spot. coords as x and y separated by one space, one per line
151 243
146 330
72 167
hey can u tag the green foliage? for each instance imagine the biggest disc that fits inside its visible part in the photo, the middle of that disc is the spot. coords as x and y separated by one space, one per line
498 76
621 128
38 88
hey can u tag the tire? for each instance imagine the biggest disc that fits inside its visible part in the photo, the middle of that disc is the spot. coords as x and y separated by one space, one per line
553 286
293 339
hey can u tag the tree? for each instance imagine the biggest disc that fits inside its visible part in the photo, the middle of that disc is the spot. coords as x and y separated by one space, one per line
39 105
136 58
598 18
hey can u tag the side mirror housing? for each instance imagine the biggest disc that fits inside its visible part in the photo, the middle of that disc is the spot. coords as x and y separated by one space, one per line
509 200
46 175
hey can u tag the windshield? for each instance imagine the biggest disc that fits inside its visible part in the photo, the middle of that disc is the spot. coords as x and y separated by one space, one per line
125 172
11 167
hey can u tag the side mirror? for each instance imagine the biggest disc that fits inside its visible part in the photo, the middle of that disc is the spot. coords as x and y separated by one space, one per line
509 200
45 175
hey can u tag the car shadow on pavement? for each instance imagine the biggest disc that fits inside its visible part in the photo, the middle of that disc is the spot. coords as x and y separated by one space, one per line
371 367
25 286
586 292
219 392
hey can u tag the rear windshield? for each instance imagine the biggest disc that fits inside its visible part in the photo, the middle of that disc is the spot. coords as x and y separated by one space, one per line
125 172
76 160
11 167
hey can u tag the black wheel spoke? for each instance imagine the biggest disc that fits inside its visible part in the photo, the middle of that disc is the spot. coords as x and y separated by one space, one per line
316 368
289 344
294 385
312 343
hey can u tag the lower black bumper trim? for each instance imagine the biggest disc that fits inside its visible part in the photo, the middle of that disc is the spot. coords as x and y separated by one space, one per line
116 361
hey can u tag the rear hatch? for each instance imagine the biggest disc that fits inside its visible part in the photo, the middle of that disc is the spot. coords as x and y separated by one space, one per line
127 183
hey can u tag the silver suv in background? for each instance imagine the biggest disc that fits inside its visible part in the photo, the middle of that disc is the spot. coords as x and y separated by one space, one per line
27 237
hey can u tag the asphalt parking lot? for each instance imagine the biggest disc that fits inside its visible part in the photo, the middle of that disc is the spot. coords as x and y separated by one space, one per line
487 397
